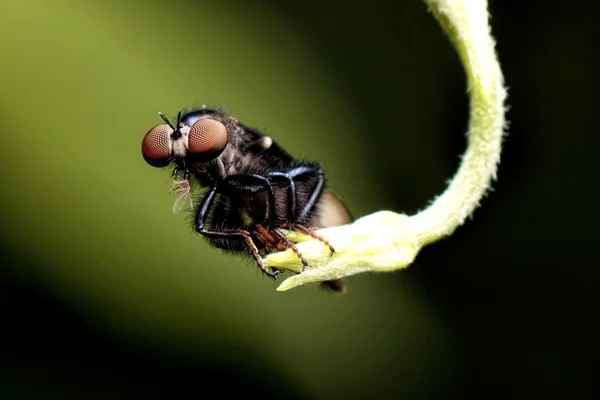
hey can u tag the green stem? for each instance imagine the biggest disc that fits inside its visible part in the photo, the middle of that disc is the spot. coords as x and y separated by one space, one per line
386 241
466 24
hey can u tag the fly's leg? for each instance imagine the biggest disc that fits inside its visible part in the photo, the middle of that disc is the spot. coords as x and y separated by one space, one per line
338 285
255 254
264 183
309 232
287 179
317 190
231 234
292 246
306 171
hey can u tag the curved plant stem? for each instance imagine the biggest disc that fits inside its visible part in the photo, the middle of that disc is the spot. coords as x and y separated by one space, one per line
387 241
466 24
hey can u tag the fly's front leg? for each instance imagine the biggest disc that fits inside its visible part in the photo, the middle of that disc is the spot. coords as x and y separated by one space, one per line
233 234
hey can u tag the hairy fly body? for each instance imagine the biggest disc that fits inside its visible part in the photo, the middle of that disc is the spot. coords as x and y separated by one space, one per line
255 188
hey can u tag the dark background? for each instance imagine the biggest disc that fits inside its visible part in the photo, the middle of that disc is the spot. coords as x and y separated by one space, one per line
105 293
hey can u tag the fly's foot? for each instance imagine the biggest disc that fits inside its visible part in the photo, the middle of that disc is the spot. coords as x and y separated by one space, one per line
273 272
290 245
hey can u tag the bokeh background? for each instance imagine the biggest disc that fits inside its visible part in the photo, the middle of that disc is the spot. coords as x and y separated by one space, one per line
105 293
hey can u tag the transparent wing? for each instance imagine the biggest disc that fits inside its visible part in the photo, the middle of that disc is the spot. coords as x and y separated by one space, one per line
182 188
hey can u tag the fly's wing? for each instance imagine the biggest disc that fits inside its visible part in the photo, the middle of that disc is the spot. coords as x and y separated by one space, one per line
331 212
183 189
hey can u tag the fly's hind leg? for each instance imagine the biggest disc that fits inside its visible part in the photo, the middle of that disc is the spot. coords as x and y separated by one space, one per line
311 233
245 236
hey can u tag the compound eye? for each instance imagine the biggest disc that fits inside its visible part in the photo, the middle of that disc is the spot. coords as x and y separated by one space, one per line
207 138
155 146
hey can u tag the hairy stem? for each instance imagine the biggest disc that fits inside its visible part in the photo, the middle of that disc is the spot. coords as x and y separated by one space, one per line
466 24
387 241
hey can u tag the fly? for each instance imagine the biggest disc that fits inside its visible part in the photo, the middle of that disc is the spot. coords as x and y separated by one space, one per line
254 187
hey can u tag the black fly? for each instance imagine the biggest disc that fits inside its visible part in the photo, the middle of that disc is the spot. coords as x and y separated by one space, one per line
255 187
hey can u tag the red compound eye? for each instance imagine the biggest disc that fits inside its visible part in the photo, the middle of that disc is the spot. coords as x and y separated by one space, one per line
207 138
155 146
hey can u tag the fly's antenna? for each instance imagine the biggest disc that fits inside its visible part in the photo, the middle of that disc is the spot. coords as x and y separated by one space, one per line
164 118
179 118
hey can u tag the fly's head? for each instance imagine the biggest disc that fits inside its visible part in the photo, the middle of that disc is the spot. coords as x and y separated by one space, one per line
195 144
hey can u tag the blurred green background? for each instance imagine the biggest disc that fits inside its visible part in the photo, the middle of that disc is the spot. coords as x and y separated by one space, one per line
105 292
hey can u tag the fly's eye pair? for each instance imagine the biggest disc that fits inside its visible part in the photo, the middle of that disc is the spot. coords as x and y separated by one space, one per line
206 140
